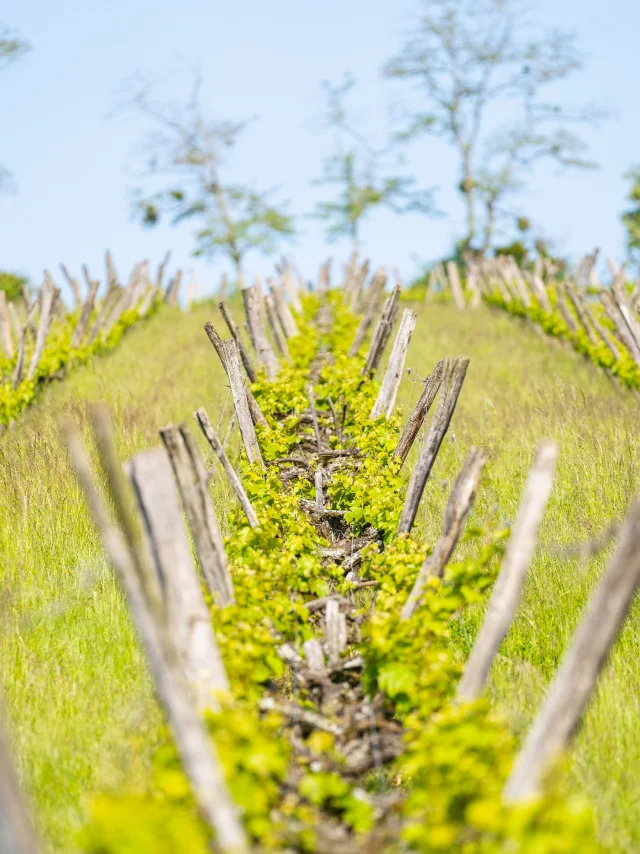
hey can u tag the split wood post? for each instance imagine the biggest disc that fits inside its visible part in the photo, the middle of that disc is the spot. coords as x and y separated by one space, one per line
461 499
15 320
17 835
359 292
382 331
576 678
335 632
454 374
212 438
111 296
566 315
601 331
314 656
49 295
455 285
231 361
472 285
257 415
85 313
574 298
287 320
274 323
125 300
146 303
429 291
422 407
317 478
188 619
73 284
173 291
197 752
508 588
614 314
324 277
350 269
314 417
374 293
5 327
393 375
263 348
161 270
232 326
624 304
112 276
291 289
191 477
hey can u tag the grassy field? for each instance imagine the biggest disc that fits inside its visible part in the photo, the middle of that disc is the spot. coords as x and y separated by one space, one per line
79 698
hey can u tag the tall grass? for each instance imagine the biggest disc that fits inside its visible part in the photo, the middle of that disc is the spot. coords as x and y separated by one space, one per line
79 699
520 388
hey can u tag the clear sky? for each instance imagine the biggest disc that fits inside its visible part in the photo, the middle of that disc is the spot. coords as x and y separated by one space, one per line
70 159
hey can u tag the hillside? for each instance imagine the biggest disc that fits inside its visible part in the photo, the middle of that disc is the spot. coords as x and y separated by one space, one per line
76 685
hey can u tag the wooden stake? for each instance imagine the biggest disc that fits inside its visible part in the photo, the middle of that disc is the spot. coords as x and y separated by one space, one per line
454 374
85 314
5 327
422 407
577 676
257 415
335 623
263 349
188 620
287 320
196 749
49 295
191 477
314 417
508 588
455 285
382 332
374 293
161 270
391 381
235 334
73 284
274 323
624 333
231 361
236 484
17 835
461 499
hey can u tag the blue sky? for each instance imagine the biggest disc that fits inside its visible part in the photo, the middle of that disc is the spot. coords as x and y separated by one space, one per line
71 160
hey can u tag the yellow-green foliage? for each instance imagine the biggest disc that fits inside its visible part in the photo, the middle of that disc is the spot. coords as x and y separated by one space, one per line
553 324
456 759
57 355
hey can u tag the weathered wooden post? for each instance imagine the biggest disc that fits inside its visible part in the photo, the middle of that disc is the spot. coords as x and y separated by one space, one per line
454 374
461 499
577 676
422 407
236 484
391 381
508 588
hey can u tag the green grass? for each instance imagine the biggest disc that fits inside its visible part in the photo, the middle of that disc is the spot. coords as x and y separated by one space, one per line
74 678
520 388
79 699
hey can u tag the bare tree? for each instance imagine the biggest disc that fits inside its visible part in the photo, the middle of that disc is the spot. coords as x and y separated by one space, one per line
360 172
475 61
185 157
